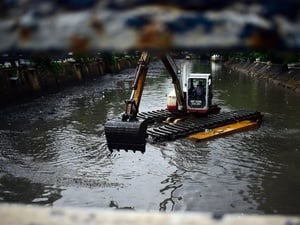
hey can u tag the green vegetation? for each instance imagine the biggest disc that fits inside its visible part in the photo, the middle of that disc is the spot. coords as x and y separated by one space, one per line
273 56
47 64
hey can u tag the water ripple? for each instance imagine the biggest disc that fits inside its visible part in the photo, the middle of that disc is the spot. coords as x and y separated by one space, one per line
55 148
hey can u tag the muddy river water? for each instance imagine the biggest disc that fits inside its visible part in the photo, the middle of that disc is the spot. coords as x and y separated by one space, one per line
53 151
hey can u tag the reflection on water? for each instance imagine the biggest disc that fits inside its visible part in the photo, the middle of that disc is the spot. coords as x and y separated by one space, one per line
53 151
173 182
14 189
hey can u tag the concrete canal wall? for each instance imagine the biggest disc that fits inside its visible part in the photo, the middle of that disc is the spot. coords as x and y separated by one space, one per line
282 75
20 83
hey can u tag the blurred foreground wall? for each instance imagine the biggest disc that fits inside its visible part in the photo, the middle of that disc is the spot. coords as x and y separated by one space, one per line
93 25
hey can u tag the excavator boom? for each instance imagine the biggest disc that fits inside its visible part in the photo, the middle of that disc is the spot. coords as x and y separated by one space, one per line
132 104
172 69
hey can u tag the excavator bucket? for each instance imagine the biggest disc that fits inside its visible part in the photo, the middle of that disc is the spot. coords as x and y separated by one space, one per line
124 135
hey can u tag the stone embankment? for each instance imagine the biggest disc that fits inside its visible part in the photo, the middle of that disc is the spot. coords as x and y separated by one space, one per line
21 83
282 75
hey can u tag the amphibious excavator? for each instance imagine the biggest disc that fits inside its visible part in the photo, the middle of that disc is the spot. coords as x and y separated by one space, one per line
189 113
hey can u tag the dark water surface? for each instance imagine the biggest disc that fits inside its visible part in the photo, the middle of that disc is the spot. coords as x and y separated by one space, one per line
53 151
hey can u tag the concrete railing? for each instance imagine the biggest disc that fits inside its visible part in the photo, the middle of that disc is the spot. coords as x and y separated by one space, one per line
29 215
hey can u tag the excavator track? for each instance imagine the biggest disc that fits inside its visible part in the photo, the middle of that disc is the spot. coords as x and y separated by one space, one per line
193 125
154 116
134 137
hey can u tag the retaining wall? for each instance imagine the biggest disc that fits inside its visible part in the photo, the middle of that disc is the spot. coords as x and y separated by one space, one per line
276 73
21 83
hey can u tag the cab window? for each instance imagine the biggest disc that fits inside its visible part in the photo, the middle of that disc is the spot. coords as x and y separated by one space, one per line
196 92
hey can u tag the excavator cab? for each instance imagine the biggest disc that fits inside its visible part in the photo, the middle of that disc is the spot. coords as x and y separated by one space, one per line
199 93
197 89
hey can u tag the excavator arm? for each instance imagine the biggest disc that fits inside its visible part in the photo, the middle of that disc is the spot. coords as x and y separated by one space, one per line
132 105
130 133
172 69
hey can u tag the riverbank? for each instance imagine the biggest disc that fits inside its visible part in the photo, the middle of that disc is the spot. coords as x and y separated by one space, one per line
287 77
18 84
